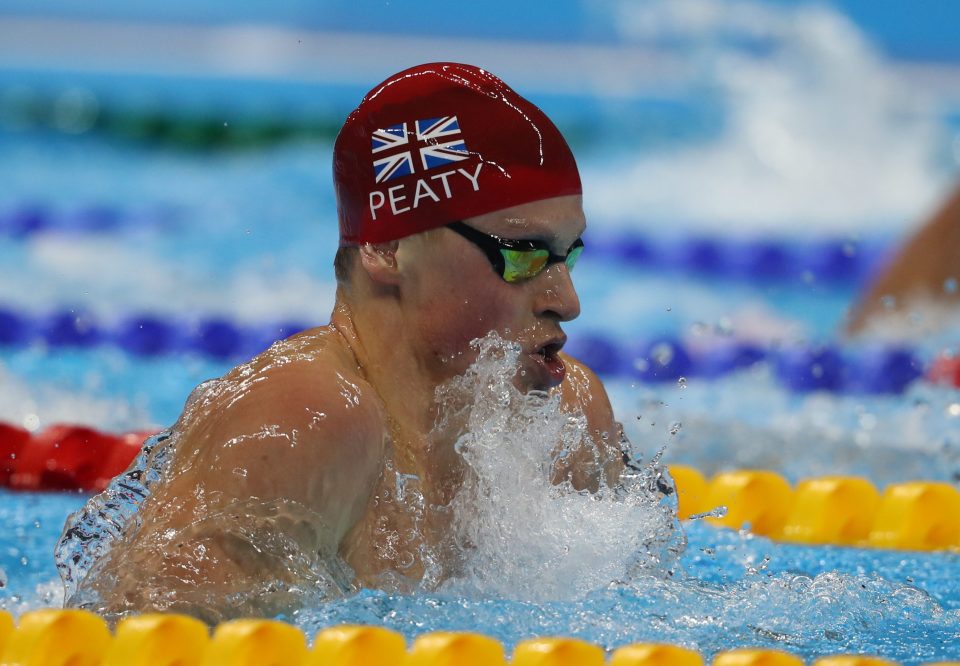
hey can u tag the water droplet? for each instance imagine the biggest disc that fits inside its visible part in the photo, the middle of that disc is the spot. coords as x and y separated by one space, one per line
24 561
682 382
675 427
31 422
662 353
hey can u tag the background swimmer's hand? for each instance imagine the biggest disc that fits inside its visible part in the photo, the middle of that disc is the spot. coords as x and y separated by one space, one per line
600 460
272 469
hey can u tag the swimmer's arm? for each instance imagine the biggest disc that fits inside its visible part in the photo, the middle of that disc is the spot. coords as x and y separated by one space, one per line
304 443
921 270
582 390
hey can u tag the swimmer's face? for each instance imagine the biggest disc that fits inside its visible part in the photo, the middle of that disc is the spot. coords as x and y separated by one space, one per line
453 295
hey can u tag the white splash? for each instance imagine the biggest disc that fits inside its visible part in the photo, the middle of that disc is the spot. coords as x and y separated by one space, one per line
523 537
819 131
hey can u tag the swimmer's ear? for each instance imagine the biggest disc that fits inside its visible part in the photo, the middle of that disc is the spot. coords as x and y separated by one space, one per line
379 260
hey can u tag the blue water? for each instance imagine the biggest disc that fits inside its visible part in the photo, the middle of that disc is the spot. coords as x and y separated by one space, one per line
249 235
927 33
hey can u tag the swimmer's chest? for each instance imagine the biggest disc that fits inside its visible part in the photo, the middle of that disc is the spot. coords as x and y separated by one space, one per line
400 523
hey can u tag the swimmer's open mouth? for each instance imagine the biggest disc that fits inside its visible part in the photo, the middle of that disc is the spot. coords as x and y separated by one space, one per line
551 349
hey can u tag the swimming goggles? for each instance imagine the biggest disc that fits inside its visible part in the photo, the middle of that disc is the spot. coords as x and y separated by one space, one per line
516 260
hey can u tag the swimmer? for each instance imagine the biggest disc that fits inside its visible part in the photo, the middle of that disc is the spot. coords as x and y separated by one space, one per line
460 214
924 277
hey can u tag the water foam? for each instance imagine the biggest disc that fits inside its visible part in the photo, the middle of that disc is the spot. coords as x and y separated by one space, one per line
523 536
749 420
819 130
37 405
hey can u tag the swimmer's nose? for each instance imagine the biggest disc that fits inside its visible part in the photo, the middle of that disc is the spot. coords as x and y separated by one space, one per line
557 295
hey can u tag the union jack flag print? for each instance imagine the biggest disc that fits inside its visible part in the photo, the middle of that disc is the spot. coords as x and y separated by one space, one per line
437 140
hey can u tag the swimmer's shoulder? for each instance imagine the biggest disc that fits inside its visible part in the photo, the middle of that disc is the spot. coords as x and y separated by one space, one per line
582 390
582 387
298 421
310 382
311 367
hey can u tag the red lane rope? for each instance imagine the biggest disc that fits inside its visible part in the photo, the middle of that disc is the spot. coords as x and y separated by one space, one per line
64 457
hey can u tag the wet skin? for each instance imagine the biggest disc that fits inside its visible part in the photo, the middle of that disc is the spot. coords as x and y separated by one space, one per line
308 437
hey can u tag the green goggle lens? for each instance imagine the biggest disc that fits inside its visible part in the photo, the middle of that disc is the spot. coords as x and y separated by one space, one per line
572 256
523 264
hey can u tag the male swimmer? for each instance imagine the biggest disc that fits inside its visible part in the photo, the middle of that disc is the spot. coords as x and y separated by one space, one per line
460 214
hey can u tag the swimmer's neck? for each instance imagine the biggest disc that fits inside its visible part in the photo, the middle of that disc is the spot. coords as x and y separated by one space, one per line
379 342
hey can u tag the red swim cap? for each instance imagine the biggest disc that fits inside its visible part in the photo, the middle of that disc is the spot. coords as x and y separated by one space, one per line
443 142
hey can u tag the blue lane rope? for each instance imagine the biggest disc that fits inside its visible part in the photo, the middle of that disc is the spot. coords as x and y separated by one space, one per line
143 334
874 369
832 262
29 219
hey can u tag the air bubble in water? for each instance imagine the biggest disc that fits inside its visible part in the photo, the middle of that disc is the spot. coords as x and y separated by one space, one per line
675 427
682 382
663 353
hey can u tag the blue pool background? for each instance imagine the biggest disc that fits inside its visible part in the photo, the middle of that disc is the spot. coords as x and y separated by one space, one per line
668 113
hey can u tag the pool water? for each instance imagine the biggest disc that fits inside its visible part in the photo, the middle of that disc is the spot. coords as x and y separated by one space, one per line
730 590
248 236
